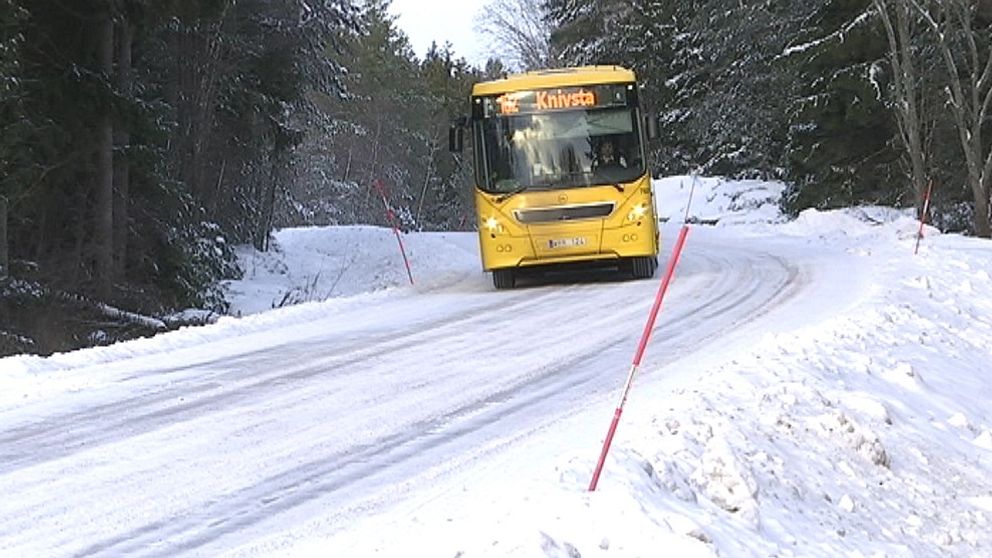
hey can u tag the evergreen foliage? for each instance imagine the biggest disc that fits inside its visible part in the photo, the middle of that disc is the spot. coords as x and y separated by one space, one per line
842 143
392 127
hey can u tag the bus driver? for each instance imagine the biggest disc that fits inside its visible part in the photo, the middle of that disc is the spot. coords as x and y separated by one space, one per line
608 160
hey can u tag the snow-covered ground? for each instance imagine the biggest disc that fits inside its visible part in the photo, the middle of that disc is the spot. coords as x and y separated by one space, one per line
812 389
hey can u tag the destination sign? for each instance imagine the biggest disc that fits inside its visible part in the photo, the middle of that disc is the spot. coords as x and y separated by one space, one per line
557 99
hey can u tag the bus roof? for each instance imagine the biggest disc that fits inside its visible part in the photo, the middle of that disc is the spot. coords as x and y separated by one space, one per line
557 77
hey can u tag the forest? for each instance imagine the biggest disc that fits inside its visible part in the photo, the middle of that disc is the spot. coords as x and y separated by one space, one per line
141 140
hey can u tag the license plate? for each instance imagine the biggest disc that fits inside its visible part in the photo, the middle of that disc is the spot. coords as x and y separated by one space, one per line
566 242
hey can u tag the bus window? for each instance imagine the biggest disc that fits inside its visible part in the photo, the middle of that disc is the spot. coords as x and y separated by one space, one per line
557 150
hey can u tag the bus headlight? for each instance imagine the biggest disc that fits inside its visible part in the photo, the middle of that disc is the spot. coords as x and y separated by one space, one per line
637 213
492 225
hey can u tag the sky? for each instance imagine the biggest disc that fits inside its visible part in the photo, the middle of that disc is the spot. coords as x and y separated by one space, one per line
811 388
440 21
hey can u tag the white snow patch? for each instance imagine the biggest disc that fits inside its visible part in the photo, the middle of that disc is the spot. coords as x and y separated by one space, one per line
981 502
984 440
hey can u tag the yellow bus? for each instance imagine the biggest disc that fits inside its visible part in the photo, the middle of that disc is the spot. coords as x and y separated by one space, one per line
561 174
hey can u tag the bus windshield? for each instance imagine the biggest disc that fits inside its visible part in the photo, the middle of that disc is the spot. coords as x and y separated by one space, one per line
555 150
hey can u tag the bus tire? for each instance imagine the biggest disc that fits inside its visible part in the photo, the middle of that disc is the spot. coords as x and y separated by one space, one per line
643 267
504 278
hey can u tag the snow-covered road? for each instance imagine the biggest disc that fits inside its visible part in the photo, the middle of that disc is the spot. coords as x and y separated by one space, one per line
216 446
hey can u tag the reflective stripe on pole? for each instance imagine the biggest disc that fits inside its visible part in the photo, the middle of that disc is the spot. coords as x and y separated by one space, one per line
391 217
923 217
645 336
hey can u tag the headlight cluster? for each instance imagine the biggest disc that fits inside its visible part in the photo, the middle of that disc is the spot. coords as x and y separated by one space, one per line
638 212
493 225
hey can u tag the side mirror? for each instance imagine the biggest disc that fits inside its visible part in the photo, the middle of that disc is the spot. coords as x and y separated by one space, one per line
456 139
456 134
651 125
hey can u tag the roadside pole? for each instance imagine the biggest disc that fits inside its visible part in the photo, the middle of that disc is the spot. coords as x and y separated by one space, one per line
380 188
923 217
645 337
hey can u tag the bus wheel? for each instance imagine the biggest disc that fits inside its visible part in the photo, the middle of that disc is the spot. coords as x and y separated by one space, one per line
643 267
504 278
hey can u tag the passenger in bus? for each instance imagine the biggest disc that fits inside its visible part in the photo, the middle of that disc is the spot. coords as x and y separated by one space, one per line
607 159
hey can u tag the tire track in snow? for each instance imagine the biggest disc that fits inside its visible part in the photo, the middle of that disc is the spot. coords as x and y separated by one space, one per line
62 435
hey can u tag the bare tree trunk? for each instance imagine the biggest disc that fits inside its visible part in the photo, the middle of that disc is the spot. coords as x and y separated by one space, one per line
428 174
122 138
908 108
206 91
218 186
79 249
104 210
4 255
375 148
347 167
264 225
198 53
982 217
372 169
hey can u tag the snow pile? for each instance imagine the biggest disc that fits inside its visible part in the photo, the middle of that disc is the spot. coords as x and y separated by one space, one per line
718 201
316 264
883 223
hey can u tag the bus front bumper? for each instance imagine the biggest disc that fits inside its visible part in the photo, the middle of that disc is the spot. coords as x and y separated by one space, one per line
567 245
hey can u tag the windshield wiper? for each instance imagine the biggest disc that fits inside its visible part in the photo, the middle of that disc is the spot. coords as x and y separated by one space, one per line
511 193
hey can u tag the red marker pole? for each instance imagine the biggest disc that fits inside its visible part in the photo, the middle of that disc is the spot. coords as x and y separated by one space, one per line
923 217
381 189
642 346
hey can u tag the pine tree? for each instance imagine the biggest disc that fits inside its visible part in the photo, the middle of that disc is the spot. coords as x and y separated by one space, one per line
10 20
446 200
577 28
137 142
382 122
842 141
